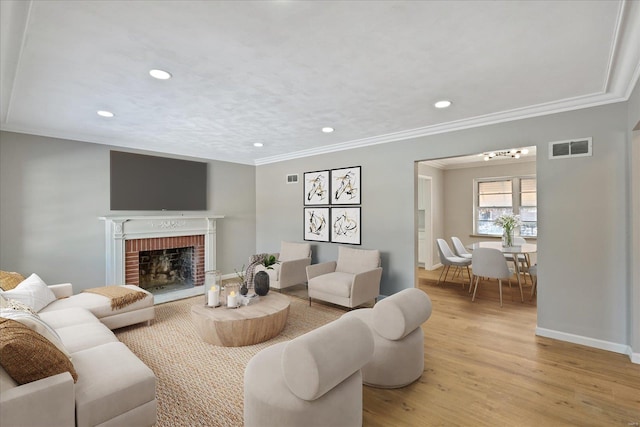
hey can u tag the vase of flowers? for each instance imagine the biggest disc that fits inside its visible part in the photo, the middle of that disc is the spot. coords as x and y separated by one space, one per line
508 222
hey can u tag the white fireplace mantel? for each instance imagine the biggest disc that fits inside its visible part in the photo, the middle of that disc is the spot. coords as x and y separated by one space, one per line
119 228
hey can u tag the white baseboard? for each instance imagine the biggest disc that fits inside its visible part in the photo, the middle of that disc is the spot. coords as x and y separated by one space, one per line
589 342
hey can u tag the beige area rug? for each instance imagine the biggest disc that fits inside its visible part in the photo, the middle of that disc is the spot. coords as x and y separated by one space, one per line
200 384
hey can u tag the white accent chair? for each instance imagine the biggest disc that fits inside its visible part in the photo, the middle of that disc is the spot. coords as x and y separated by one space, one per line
313 380
395 322
448 258
491 263
290 270
352 280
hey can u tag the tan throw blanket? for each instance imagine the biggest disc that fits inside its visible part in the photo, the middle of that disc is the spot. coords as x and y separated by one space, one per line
120 296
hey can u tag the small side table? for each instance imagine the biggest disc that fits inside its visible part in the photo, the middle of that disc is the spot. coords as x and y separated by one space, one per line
235 327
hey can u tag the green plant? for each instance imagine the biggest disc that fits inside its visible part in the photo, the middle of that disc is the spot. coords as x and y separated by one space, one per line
268 261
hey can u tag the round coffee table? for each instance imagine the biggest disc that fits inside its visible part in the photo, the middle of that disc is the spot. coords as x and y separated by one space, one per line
235 327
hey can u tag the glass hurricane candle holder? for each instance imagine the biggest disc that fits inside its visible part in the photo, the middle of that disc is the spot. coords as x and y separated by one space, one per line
212 282
232 295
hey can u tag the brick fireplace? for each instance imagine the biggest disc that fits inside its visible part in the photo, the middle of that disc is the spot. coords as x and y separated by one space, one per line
166 237
165 260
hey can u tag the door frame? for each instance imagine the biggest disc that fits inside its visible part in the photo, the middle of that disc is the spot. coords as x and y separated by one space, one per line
428 190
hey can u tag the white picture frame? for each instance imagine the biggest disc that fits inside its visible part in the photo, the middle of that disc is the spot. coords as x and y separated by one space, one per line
346 225
316 224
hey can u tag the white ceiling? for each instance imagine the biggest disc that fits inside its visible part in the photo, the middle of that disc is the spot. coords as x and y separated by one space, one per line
276 72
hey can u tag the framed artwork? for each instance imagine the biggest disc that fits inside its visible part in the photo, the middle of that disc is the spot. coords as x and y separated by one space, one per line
316 188
316 224
345 186
345 225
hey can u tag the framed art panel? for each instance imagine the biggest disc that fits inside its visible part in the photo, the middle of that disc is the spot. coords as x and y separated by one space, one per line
316 224
316 188
345 186
345 225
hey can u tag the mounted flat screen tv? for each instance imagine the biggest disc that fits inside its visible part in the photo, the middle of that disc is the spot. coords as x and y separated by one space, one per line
150 183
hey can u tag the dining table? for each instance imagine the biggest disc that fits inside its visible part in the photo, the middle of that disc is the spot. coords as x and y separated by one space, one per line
524 249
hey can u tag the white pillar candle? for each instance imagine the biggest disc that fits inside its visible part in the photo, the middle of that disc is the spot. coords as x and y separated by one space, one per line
232 300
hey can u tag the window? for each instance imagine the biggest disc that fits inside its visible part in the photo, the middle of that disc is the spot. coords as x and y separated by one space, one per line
497 196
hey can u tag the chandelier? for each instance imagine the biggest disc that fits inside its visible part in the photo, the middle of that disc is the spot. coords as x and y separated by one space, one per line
513 153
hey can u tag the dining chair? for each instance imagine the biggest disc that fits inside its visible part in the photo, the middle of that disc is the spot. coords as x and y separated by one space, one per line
461 251
491 263
448 258
523 259
533 272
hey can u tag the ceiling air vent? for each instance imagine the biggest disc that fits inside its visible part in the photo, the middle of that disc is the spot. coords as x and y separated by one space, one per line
292 178
573 148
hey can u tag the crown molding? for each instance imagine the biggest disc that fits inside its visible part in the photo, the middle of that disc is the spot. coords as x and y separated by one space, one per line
569 104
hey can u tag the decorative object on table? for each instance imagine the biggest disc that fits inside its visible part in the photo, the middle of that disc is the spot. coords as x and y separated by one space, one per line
316 224
212 286
345 227
232 300
254 261
231 297
316 188
261 283
508 222
244 289
345 186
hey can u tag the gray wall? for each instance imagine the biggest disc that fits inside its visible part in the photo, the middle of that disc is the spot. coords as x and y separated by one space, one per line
582 211
52 192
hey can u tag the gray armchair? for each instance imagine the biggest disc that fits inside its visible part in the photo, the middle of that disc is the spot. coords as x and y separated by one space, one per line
293 258
350 281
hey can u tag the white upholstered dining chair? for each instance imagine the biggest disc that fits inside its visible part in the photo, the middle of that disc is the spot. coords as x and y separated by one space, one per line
448 258
491 263
523 259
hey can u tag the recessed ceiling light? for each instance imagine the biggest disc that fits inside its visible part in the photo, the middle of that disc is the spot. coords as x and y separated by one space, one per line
442 104
160 74
105 113
327 129
258 144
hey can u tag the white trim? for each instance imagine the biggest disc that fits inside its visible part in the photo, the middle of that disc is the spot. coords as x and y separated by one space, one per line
635 357
119 228
586 341
569 104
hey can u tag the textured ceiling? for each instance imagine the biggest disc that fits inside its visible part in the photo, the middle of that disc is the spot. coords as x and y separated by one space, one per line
276 72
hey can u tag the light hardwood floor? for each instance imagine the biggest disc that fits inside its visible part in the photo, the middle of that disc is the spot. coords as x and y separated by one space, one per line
484 366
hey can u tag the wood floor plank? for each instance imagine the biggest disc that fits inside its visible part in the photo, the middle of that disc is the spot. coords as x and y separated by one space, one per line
484 366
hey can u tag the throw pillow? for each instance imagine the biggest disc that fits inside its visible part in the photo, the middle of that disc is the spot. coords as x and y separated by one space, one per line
36 324
33 292
16 305
10 279
27 356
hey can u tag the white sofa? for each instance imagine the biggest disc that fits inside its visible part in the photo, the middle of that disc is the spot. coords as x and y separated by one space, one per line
138 312
114 387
